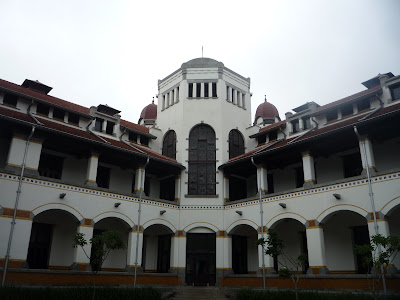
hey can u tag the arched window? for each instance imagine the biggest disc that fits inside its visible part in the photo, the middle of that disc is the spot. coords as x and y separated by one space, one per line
169 144
202 178
236 143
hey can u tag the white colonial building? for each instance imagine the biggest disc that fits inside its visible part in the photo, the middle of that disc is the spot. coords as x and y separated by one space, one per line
203 162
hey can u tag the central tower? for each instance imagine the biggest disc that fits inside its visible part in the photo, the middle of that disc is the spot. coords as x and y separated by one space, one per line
201 103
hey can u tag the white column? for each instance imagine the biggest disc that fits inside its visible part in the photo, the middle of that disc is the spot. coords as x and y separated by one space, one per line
262 177
234 100
66 117
139 179
244 100
176 94
82 260
219 250
301 124
91 173
226 188
308 169
17 150
268 260
20 242
316 248
104 126
167 100
194 89
178 254
370 154
202 90
240 99
229 96
51 111
178 188
227 243
131 253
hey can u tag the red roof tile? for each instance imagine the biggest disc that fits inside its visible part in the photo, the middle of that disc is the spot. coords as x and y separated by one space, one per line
349 98
79 132
45 98
62 103
134 126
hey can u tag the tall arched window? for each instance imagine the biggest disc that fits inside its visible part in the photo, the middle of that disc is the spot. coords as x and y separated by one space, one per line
169 144
236 143
202 178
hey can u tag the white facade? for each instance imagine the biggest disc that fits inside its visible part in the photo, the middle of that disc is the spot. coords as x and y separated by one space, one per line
97 161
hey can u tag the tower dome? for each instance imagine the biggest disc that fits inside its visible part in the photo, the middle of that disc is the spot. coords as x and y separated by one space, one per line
267 111
148 113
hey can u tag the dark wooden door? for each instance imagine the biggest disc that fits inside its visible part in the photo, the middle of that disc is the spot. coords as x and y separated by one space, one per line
164 253
239 254
39 246
200 259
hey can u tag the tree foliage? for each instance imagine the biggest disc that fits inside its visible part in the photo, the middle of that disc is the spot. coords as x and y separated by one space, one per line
377 256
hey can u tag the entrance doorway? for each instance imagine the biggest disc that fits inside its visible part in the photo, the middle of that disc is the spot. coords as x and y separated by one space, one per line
39 246
200 259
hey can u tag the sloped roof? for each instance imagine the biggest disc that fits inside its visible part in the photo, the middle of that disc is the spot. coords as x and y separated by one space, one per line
327 129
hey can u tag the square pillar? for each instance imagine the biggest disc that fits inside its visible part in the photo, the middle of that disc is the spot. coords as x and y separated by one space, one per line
91 173
226 188
139 180
234 97
223 256
263 179
82 256
178 188
383 229
178 254
268 260
367 160
16 154
316 248
133 240
229 96
20 241
194 89
308 169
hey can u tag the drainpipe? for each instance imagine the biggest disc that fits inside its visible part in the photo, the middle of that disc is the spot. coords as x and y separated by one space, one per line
311 129
138 222
130 145
371 198
95 134
16 203
262 222
375 110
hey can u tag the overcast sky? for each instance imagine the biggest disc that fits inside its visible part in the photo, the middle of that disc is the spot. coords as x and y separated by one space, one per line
113 52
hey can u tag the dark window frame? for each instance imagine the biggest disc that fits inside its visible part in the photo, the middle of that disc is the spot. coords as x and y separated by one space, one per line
331 115
206 90
169 144
58 114
347 110
10 99
110 127
190 90
395 91
295 126
73 118
236 143
262 139
42 109
214 90
363 105
103 177
98 125
50 165
202 161
198 90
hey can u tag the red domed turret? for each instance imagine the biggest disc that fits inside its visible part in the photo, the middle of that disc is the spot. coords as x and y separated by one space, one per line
266 111
149 112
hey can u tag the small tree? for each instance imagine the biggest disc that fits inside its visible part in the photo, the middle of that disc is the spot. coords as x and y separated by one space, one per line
376 260
291 267
102 244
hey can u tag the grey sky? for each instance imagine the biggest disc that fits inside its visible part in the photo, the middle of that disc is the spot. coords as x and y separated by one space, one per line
113 52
